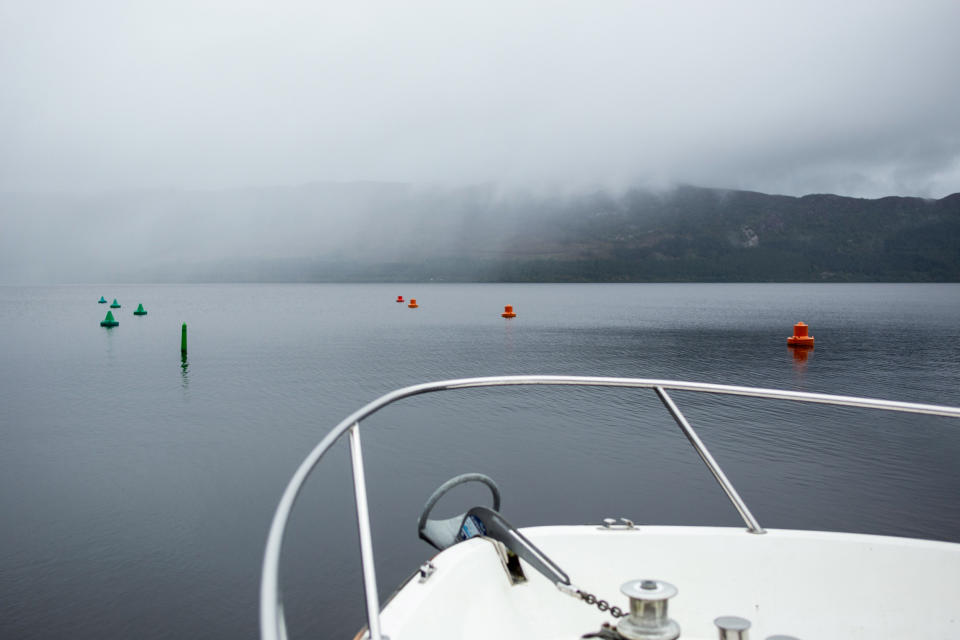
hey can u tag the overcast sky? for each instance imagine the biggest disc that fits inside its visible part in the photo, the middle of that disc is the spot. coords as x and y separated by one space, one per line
853 97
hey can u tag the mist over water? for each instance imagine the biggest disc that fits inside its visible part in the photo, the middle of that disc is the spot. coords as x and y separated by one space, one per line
170 144
138 491
375 232
249 234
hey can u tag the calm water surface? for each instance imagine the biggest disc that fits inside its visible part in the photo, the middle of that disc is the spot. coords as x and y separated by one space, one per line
136 489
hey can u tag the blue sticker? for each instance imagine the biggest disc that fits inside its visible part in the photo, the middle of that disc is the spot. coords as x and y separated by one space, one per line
471 527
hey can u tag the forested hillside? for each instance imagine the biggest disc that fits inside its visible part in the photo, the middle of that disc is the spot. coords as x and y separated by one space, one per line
393 232
704 234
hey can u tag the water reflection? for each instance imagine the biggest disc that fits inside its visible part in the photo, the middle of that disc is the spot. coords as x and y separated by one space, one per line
109 338
800 357
508 337
184 366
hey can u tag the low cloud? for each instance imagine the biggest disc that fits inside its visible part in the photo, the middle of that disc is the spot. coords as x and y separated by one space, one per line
858 98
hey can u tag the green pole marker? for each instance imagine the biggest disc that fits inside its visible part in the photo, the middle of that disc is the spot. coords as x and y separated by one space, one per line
102 300
109 321
115 305
183 339
140 310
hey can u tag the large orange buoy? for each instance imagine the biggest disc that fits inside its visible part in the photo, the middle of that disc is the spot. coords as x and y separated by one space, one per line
399 298
508 312
800 337
413 303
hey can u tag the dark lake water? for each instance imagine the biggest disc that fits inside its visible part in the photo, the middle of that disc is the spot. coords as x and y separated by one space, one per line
136 492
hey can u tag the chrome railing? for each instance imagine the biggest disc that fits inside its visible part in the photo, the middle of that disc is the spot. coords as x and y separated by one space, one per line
272 625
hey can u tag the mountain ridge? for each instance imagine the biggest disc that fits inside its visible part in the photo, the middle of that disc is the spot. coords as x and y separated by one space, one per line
369 231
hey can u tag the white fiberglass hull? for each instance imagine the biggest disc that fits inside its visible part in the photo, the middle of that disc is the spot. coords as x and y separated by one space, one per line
811 585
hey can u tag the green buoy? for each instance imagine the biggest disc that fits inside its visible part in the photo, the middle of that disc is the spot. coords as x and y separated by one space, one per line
109 321
115 305
140 310
183 339
102 300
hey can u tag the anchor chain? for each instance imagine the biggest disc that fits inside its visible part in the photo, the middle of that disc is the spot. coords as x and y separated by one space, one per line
603 605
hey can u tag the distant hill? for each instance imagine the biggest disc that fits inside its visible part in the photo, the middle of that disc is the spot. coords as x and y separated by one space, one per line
395 232
718 235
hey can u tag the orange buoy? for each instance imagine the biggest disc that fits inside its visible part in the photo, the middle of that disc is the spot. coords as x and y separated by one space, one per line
399 298
508 312
413 303
800 337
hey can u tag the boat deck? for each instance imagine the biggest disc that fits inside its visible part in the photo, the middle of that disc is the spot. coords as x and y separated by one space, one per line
800 583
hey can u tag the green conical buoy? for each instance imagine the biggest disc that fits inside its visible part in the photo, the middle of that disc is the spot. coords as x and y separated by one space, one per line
115 305
102 300
140 310
109 321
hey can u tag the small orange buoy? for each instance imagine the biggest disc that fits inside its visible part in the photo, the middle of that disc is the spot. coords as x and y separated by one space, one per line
413 303
399 298
508 312
800 337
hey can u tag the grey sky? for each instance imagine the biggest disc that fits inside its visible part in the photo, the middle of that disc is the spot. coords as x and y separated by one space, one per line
858 98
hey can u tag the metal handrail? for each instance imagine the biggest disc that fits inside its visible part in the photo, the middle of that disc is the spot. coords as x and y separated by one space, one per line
272 624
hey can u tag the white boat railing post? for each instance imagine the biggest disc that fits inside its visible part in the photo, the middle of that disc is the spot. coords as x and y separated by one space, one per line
366 540
752 525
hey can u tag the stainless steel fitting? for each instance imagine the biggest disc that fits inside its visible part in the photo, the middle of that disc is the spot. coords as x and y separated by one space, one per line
648 619
733 628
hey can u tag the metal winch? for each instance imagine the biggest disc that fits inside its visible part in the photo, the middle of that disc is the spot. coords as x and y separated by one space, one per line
648 619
